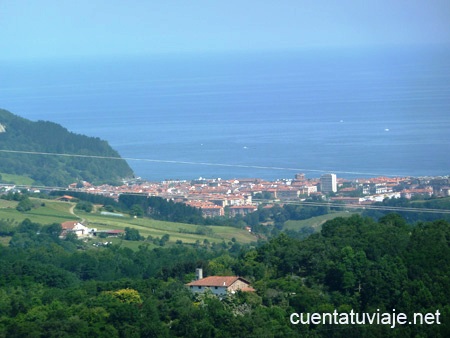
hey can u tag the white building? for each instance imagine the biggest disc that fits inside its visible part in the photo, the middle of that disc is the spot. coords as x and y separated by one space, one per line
328 183
77 228
308 189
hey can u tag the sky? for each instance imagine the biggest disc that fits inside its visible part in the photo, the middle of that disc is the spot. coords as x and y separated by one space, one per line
31 29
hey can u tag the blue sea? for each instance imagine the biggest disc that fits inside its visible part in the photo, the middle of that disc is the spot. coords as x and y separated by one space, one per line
357 113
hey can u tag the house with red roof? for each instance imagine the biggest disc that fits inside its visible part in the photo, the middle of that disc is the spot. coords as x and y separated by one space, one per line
66 198
219 285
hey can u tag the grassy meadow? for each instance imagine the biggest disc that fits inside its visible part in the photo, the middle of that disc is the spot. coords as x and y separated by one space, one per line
315 222
16 179
48 211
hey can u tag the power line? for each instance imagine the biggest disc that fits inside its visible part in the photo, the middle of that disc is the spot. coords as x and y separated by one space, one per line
361 206
300 203
228 165
326 204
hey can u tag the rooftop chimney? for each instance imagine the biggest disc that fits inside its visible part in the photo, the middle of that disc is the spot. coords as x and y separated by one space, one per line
198 273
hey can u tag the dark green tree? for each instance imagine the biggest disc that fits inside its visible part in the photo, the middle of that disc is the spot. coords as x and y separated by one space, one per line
25 204
132 234
137 210
85 206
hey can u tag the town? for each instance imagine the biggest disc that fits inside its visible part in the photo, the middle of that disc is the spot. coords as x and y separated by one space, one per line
231 197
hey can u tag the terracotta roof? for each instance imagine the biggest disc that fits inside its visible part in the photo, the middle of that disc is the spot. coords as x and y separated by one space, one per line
68 225
114 231
217 281
347 189
66 197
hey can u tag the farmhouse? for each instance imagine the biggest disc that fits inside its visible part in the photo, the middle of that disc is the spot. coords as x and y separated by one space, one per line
219 285
77 228
66 198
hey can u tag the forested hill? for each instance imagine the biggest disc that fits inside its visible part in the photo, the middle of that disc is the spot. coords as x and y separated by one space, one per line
54 287
17 133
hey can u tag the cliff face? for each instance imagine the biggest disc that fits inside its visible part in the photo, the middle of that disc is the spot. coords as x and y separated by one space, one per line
22 135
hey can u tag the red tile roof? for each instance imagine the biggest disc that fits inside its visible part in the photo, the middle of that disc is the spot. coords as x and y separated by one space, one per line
246 206
68 225
67 197
114 231
217 281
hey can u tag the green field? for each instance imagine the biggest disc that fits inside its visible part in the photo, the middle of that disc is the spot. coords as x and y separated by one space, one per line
51 212
315 222
176 231
47 212
16 179
4 204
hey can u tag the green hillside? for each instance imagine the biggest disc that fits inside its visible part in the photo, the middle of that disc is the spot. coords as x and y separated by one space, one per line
19 134
314 222
48 212
15 179
355 278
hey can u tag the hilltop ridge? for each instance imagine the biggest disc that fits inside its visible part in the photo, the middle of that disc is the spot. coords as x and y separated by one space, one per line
20 134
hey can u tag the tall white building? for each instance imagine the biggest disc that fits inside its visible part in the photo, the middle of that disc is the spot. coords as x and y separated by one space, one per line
328 183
